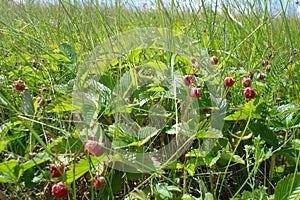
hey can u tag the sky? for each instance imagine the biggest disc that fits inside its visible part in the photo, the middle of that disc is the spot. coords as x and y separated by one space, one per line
274 5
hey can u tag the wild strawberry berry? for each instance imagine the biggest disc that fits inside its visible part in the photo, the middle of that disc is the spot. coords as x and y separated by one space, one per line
246 82
99 182
19 85
264 62
249 93
40 100
214 60
56 170
188 79
261 76
196 92
205 110
250 75
94 148
269 67
59 190
193 60
229 81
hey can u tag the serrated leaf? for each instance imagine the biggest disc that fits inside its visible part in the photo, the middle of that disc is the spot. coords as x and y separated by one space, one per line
252 108
288 188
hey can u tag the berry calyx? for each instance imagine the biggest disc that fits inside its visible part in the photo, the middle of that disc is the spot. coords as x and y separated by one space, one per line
59 190
99 182
56 170
195 92
229 81
214 60
188 79
246 82
261 76
249 93
94 148
19 85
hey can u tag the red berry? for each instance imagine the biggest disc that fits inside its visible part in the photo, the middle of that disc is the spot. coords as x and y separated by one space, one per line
56 170
59 190
246 82
19 85
94 148
214 60
205 110
250 75
188 79
195 92
229 81
99 182
40 100
193 60
261 76
265 62
269 67
249 93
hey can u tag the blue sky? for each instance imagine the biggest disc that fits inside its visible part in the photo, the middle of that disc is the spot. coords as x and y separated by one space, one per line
274 5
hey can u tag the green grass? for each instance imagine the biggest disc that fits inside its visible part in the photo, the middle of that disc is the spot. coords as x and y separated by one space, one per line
46 45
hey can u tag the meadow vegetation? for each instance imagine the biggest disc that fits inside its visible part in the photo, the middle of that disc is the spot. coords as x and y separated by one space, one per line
256 156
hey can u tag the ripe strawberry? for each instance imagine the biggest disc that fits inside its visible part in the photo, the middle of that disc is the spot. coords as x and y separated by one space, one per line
269 67
59 190
249 93
246 82
196 92
229 81
214 60
99 182
261 76
19 85
94 148
188 79
56 170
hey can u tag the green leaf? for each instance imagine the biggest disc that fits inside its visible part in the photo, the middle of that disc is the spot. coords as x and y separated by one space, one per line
210 133
156 89
62 107
38 159
162 189
257 194
251 107
3 144
260 129
9 170
68 51
209 196
28 103
226 156
79 169
288 188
